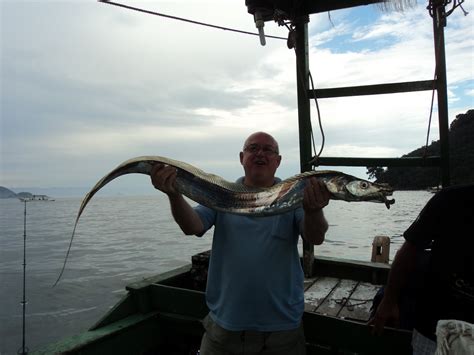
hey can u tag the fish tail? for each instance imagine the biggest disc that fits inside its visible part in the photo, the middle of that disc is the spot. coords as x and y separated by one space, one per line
67 254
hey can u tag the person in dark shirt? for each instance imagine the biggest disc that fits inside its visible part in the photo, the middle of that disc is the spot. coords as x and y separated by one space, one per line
442 237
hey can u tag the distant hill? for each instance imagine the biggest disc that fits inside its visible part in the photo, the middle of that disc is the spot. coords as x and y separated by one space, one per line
461 147
24 195
7 193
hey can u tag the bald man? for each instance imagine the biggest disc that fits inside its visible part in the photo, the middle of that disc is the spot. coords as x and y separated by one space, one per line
255 281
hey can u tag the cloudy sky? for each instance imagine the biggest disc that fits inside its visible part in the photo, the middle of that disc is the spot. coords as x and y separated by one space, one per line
87 85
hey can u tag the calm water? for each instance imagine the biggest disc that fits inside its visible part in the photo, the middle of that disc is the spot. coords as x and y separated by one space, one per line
123 239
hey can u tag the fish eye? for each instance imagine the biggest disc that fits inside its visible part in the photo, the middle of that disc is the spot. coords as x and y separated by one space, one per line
364 184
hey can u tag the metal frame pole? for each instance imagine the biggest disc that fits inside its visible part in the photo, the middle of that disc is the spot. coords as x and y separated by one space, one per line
24 349
439 22
304 119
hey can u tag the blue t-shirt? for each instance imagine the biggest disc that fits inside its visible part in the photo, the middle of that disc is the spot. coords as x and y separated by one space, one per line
255 279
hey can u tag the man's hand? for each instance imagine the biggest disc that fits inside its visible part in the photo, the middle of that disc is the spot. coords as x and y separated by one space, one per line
163 178
316 196
387 314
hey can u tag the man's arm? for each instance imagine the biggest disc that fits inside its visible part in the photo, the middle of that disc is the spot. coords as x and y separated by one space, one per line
388 312
316 197
163 178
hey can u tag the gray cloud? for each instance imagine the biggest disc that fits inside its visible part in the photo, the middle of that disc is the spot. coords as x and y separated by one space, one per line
86 86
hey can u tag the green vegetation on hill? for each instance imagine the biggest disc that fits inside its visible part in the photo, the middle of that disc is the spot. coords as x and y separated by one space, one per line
461 148
6 193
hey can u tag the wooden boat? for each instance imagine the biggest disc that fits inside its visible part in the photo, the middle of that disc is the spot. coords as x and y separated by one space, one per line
163 314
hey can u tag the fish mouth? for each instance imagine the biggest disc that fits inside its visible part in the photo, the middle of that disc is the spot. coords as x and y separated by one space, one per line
387 191
388 202
381 196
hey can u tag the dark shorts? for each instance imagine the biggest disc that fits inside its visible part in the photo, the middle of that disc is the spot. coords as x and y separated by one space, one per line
219 341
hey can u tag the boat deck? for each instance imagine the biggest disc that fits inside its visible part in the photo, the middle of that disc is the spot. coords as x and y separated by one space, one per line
163 314
338 288
341 298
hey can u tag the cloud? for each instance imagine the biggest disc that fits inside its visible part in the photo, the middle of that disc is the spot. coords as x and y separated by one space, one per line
87 85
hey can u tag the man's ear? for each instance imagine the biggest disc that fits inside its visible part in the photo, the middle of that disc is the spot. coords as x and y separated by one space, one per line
279 160
241 156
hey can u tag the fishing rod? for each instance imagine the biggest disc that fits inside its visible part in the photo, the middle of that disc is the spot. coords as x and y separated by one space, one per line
24 349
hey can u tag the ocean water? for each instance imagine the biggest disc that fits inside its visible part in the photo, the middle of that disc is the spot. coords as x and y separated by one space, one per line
120 240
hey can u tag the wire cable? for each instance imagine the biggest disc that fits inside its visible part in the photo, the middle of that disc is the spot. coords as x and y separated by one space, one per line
425 151
301 75
323 137
237 31
184 19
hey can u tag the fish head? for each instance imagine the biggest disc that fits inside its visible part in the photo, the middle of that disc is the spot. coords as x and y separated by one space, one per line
349 188
363 190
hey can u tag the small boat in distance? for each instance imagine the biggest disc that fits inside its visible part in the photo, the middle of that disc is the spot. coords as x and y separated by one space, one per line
41 198
25 197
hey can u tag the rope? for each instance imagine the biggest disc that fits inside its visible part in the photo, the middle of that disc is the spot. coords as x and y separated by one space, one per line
326 297
323 137
242 32
346 302
425 151
184 19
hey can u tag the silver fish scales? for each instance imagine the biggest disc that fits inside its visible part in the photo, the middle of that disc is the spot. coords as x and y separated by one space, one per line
217 193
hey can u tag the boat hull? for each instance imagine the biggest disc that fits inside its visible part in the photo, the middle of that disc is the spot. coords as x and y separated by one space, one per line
163 315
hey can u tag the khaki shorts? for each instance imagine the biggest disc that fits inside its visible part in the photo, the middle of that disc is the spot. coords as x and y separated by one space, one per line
219 341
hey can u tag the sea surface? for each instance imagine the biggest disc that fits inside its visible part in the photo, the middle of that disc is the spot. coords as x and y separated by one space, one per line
120 240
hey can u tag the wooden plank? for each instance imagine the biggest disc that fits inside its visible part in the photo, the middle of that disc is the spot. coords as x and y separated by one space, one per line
376 273
378 89
433 161
308 282
318 292
335 301
359 303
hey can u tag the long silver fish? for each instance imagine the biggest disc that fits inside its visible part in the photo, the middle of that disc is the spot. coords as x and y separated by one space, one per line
215 192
